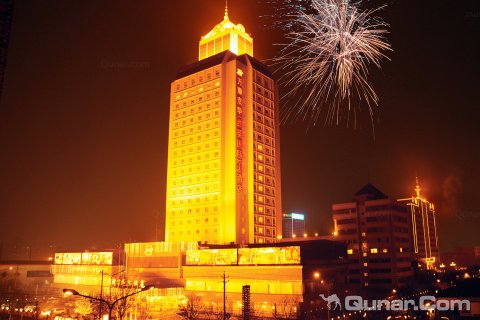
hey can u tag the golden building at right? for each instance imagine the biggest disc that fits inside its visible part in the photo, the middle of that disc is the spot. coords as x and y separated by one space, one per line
424 229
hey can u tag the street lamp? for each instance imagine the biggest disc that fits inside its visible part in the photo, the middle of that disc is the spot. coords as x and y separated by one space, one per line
110 305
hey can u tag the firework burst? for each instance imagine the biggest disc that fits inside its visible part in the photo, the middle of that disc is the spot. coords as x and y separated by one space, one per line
325 61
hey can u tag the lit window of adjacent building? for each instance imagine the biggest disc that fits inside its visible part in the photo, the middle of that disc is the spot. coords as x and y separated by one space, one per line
374 250
350 251
385 250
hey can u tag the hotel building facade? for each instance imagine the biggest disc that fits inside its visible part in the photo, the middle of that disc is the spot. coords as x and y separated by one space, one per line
223 178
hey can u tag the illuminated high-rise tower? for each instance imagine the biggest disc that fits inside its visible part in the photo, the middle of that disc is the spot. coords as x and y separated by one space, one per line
223 180
424 228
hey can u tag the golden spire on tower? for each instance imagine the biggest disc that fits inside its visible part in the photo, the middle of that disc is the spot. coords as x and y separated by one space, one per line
417 187
226 10
226 35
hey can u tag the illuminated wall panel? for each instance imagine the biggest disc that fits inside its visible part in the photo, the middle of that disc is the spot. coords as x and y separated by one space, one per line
86 258
244 256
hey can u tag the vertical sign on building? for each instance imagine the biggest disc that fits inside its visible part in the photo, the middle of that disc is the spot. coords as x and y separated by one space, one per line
239 130
240 154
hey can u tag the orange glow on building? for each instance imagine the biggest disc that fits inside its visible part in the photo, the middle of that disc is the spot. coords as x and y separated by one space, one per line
223 178
84 269
424 228
225 36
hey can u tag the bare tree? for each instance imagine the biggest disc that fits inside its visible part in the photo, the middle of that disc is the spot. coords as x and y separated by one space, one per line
287 309
192 309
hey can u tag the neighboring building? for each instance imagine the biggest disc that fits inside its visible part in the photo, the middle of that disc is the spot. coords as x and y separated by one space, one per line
223 178
30 277
293 225
377 232
6 14
424 229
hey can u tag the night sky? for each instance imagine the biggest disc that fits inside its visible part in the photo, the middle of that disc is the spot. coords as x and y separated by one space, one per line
84 119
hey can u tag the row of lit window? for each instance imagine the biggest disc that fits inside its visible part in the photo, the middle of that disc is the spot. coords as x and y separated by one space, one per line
194 91
196 210
200 116
261 199
264 159
196 155
264 240
269 161
194 200
204 136
182 101
260 188
209 106
195 178
263 150
198 78
267 170
202 127
199 157
196 119
264 231
258 157
264 210
196 222
205 131
203 188
263 168
258 219
196 169
264 179
197 232
195 148
376 250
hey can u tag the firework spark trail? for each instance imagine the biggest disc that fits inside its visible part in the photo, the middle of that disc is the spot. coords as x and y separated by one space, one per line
325 62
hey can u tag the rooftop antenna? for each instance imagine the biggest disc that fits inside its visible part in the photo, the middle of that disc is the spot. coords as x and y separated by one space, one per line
226 10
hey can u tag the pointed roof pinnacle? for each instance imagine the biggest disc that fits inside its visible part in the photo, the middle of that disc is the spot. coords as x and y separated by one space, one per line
417 187
226 10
